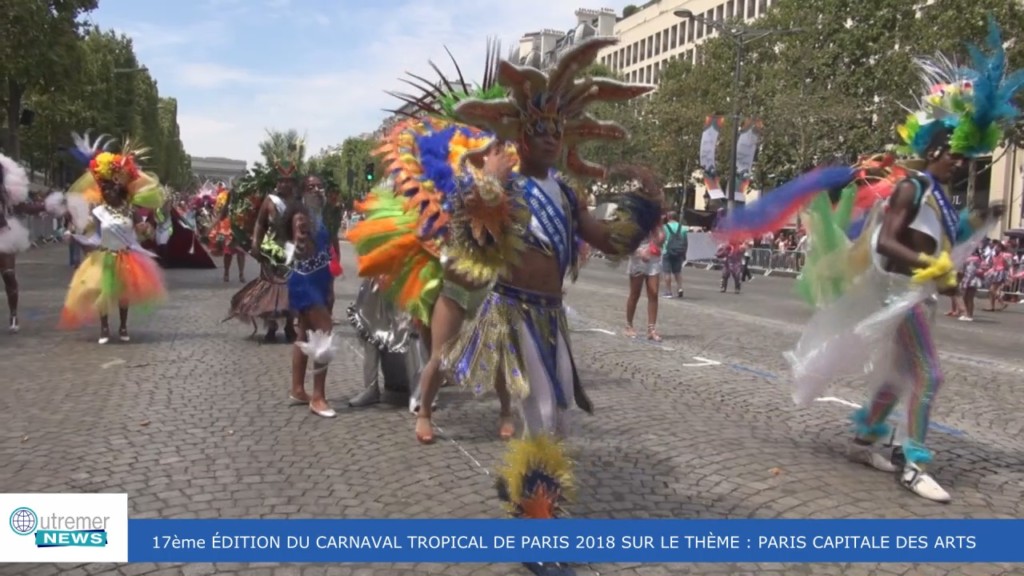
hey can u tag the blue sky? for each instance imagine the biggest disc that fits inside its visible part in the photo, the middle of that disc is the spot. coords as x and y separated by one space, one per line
240 67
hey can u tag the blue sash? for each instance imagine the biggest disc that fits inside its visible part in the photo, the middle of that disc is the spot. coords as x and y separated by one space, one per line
552 220
950 216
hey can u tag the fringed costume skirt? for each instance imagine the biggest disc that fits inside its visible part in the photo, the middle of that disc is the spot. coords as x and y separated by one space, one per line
107 280
521 339
263 298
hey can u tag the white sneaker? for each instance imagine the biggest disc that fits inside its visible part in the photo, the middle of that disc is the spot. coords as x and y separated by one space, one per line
865 454
13 328
921 483
966 319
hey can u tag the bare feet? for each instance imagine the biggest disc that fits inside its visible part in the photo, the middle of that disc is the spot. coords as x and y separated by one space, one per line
630 332
506 427
424 430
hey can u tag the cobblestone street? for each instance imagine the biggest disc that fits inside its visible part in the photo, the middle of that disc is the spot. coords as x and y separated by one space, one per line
192 420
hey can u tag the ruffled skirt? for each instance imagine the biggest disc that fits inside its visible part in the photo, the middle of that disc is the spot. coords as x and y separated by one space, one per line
107 280
14 239
263 298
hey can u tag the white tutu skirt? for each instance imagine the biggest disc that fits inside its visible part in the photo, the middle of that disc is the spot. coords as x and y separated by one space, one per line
14 239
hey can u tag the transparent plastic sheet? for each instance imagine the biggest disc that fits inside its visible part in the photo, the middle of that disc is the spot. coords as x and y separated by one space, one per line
853 336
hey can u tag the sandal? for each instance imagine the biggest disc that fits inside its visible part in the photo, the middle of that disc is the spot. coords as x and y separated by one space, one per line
427 437
630 332
652 334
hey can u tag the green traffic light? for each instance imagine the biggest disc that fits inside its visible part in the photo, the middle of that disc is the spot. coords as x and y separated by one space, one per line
369 176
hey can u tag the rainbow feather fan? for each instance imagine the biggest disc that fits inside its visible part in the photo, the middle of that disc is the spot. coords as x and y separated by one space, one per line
774 209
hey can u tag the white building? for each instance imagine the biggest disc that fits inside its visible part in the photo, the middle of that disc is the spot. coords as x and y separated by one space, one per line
541 49
217 169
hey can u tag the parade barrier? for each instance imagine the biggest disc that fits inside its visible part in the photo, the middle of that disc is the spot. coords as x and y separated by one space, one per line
43 229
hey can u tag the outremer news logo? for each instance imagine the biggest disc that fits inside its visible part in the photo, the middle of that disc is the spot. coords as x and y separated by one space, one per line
65 527
56 530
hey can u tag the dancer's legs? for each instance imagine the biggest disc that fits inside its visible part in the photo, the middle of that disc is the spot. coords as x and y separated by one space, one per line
8 263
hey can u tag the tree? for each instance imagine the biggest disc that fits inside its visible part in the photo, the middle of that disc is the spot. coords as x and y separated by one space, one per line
39 53
629 10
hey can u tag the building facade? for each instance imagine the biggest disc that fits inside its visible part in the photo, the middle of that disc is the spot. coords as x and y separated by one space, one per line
542 49
653 36
217 169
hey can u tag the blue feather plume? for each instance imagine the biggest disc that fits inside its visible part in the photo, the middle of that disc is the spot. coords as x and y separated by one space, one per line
84 150
773 210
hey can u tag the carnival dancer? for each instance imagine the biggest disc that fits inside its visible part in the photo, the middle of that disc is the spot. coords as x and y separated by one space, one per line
14 237
732 254
118 271
386 333
222 242
877 296
520 336
266 297
412 239
310 297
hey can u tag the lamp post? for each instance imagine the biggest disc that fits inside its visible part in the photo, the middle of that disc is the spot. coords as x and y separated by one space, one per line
740 37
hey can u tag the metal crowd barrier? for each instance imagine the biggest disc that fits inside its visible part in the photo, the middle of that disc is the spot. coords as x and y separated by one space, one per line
765 261
43 229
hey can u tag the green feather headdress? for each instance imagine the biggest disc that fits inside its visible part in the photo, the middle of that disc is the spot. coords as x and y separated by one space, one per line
973 104
439 98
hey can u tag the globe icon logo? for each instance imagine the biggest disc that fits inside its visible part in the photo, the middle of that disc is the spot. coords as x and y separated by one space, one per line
23 521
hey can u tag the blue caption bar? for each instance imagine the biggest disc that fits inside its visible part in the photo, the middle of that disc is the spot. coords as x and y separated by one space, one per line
647 541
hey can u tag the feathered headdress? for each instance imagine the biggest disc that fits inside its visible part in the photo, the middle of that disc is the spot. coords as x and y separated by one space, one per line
440 98
288 166
973 105
554 101
14 182
122 168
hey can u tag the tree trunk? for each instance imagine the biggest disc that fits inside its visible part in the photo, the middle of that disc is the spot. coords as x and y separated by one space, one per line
14 94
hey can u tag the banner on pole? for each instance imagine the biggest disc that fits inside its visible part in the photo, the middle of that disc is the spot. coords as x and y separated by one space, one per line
746 154
708 149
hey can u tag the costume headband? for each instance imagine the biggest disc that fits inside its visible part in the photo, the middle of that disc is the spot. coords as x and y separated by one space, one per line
103 166
554 101
973 105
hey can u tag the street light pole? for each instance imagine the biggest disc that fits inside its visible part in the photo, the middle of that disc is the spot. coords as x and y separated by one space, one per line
740 37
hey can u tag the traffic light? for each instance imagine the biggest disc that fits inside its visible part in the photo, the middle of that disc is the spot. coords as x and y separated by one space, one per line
369 171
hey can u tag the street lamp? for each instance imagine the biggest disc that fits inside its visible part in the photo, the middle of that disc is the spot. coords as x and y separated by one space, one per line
740 37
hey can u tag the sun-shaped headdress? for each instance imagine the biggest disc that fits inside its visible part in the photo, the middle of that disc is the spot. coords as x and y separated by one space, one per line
973 105
557 101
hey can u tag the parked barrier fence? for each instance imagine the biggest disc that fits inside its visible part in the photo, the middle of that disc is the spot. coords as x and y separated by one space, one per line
43 229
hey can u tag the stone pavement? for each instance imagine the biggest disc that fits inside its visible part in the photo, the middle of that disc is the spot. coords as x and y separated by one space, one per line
191 419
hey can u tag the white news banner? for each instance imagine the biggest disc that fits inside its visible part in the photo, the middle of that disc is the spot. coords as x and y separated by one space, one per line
64 528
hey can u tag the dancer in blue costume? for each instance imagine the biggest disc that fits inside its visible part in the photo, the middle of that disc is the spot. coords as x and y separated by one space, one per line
310 297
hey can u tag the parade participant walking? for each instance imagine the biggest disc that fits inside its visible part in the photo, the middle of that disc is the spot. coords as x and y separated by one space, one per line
221 240
520 337
310 296
14 237
266 297
907 252
119 271
434 258
645 267
732 254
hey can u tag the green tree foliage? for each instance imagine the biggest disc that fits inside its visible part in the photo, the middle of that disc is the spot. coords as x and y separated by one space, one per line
284 147
99 86
836 89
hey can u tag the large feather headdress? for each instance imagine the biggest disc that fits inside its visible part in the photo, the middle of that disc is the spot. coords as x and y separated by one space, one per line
973 104
556 99
439 98
123 168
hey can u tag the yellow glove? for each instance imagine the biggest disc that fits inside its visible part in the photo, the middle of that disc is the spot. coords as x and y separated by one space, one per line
934 268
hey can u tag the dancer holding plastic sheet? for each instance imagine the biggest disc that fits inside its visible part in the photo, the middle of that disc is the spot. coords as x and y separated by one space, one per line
877 294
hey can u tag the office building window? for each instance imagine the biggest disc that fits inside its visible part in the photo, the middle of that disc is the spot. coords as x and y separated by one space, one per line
674 37
689 31
751 7
762 7
719 13
657 44
650 46
664 38
730 9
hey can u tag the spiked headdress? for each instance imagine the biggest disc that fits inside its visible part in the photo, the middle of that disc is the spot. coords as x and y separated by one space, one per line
554 101
288 166
440 97
965 109
103 166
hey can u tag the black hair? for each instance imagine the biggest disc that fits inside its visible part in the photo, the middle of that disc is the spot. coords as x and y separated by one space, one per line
938 144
